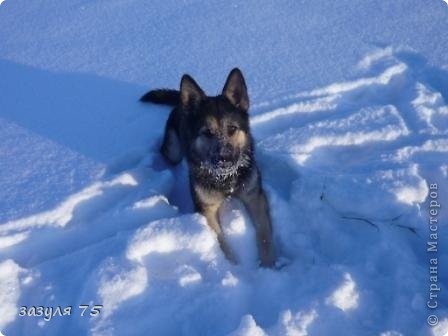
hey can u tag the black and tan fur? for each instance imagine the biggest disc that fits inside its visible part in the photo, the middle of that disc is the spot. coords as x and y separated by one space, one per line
213 134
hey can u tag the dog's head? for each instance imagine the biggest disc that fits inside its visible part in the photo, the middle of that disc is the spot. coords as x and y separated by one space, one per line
219 140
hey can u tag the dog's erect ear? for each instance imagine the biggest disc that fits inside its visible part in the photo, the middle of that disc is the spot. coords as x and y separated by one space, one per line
235 90
190 92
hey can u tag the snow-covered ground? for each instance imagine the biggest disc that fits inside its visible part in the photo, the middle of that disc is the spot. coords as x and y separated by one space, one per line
350 117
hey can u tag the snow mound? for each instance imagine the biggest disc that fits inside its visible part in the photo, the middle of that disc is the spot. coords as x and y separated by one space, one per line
345 297
248 327
9 292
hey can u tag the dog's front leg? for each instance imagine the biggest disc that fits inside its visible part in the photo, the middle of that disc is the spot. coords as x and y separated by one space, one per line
208 202
257 205
211 214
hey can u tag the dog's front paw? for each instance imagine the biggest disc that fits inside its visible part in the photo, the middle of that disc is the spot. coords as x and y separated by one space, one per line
267 259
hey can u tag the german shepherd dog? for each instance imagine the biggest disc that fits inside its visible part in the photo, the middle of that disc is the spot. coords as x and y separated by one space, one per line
213 134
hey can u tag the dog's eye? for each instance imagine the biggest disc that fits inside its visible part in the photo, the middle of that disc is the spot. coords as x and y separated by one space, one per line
231 130
207 132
